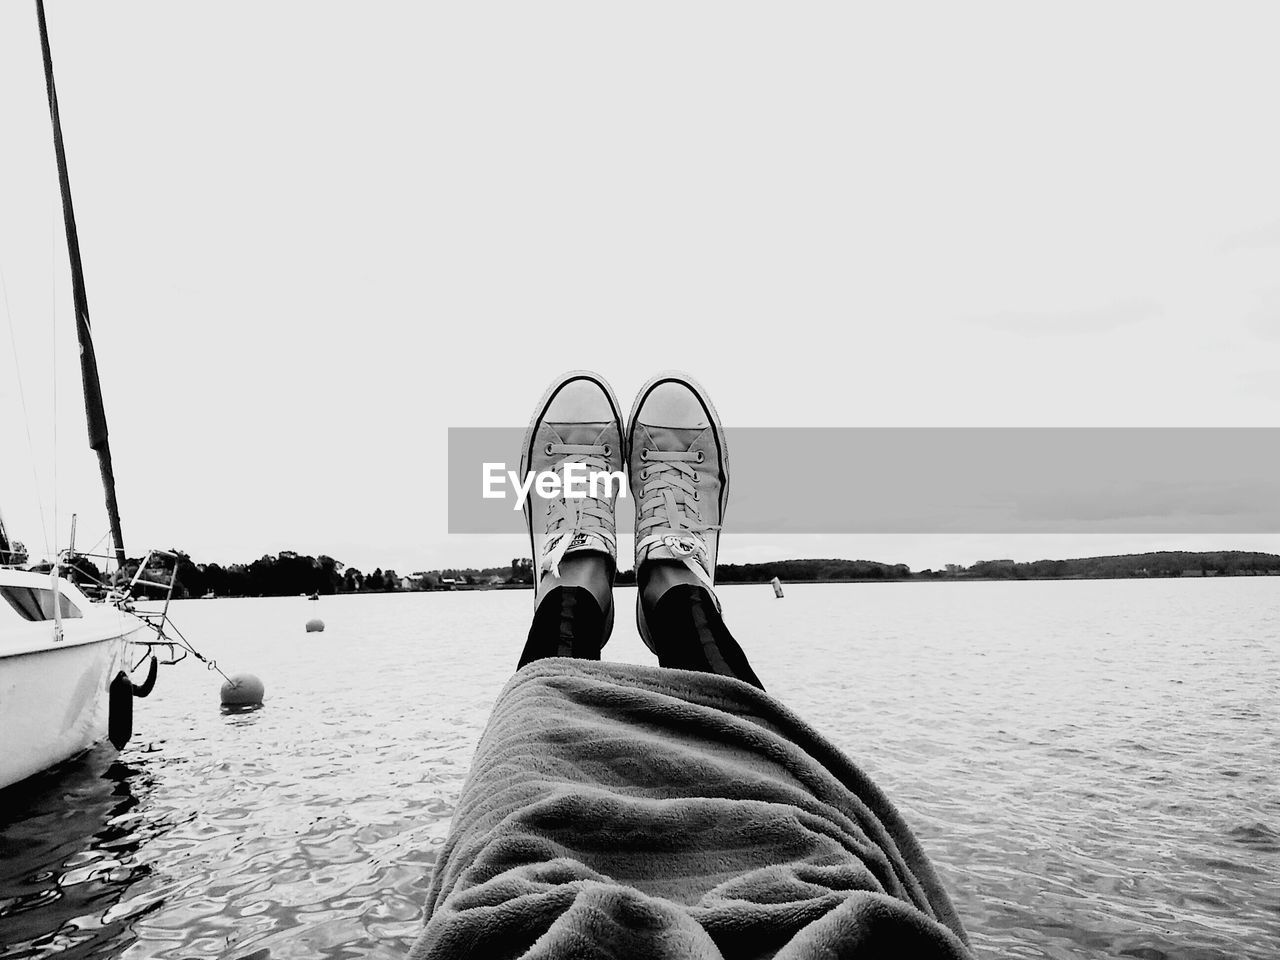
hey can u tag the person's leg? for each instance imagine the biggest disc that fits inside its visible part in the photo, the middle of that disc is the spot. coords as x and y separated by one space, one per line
687 630
574 612
680 481
572 538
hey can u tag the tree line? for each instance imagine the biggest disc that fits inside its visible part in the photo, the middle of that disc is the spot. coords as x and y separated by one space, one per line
285 574
290 574
1165 563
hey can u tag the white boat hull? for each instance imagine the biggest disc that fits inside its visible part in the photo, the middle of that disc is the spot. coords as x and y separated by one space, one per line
54 694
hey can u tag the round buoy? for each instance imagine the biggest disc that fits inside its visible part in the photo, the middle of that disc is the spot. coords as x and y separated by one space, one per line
315 626
242 690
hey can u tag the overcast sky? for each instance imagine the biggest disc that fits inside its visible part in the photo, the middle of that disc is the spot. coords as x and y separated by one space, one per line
318 235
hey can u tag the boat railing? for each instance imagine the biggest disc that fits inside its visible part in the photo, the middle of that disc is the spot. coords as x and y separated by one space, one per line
157 571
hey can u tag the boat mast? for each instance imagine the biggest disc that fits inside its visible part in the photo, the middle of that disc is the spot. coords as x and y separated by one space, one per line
93 408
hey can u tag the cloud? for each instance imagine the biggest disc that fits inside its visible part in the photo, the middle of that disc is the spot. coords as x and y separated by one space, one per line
1264 317
1226 504
1261 383
1100 319
1263 236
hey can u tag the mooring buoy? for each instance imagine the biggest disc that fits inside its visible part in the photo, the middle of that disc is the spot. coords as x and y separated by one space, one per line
315 625
242 690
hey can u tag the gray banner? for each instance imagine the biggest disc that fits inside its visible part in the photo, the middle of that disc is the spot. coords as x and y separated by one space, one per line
948 480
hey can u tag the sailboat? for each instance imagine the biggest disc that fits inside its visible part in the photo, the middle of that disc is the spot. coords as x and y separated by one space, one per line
65 660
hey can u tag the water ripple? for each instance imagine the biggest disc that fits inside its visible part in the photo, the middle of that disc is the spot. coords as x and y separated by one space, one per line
1090 764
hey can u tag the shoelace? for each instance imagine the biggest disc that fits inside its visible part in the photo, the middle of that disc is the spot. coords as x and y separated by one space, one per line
574 516
668 510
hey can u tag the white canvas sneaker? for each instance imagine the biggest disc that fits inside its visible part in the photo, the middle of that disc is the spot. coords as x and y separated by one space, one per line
576 421
679 477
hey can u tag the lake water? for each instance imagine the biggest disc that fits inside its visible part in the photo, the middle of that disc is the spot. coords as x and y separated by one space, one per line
1092 765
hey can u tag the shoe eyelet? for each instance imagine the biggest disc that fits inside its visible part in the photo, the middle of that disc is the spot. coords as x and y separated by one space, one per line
695 496
701 456
644 454
547 449
608 450
695 476
644 474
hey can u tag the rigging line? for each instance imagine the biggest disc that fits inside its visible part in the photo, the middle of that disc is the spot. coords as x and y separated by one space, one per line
53 309
209 664
26 417
93 551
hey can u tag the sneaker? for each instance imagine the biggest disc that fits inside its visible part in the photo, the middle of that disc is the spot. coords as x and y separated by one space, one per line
679 466
576 421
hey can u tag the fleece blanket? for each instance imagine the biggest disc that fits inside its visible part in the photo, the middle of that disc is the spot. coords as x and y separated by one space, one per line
624 811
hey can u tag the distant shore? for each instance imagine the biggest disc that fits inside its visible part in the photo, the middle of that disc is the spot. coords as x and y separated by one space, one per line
292 574
471 587
721 582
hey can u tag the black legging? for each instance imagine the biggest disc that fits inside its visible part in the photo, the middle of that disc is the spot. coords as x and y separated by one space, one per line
684 625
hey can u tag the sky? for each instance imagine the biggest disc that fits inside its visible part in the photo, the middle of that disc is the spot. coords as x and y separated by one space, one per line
316 236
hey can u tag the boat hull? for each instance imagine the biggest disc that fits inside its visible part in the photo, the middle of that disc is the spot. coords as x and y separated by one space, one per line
55 700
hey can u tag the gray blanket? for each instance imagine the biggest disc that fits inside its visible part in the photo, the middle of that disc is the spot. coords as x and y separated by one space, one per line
624 811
